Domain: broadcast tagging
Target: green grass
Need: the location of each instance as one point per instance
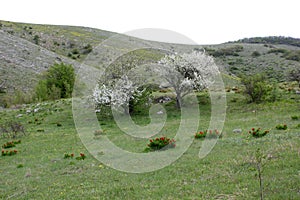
(39, 170)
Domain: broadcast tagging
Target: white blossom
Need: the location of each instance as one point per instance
(116, 94)
(187, 72)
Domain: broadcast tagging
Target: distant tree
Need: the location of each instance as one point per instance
(57, 82)
(295, 75)
(187, 72)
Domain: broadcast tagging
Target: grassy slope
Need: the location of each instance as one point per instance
(226, 173)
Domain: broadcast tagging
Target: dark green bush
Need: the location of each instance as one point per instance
(257, 89)
(255, 54)
(57, 82)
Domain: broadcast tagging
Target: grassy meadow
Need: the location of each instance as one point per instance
(229, 171)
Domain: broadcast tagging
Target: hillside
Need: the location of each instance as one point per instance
(26, 50)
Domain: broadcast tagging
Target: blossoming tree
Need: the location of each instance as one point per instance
(187, 72)
(117, 95)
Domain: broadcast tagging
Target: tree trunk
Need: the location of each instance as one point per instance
(178, 101)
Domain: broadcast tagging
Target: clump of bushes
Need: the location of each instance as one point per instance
(281, 127)
(294, 117)
(229, 51)
(57, 82)
(257, 132)
(208, 133)
(160, 143)
(255, 54)
(257, 89)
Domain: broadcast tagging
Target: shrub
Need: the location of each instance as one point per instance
(36, 39)
(87, 49)
(255, 54)
(292, 55)
(295, 117)
(9, 153)
(57, 83)
(66, 155)
(161, 143)
(257, 88)
(258, 132)
(200, 134)
(294, 75)
(81, 156)
(208, 133)
(281, 127)
(10, 144)
(276, 51)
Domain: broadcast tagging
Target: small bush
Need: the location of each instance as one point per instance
(208, 133)
(10, 144)
(9, 153)
(257, 89)
(276, 51)
(295, 117)
(160, 143)
(255, 54)
(281, 127)
(257, 132)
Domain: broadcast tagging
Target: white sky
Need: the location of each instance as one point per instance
(203, 21)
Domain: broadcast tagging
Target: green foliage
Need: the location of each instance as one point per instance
(229, 51)
(255, 54)
(257, 132)
(292, 55)
(161, 143)
(36, 39)
(294, 75)
(87, 49)
(58, 83)
(9, 153)
(272, 40)
(17, 97)
(258, 89)
(281, 127)
(10, 144)
(142, 102)
(276, 50)
(208, 133)
(295, 117)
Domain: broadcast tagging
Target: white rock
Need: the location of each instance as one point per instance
(160, 112)
(238, 130)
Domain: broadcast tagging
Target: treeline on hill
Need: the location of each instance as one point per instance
(271, 40)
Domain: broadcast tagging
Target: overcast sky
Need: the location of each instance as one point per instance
(205, 22)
